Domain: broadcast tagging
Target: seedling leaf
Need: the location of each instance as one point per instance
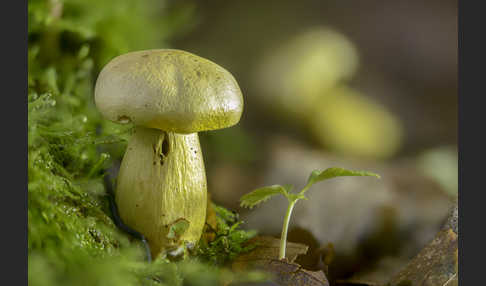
(260, 195)
(317, 176)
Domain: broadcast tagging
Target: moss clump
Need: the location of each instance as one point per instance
(72, 239)
(227, 238)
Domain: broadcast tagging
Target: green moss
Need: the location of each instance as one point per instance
(229, 239)
(72, 239)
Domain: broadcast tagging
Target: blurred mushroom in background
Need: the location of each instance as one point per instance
(293, 76)
(351, 124)
(304, 82)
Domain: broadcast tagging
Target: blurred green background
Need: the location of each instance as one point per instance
(359, 84)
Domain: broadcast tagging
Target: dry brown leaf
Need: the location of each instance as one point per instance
(435, 265)
(285, 272)
(292, 274)
(267, 249)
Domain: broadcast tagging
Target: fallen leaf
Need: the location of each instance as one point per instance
(453, 220)
(435, 265)
(267, 249)
(292, 274)
(285, 272)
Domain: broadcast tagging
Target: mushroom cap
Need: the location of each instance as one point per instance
(170, 90)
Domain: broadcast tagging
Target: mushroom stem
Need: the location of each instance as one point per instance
(161, 183)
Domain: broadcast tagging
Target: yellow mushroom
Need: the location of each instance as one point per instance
(169, 95)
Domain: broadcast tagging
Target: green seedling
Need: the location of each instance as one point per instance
(261, 195)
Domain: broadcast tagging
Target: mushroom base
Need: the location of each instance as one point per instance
(161, 188)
